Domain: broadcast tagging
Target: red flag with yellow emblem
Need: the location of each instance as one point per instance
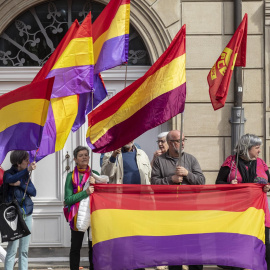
(234, 54)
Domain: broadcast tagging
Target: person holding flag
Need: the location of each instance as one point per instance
(166, 171)
(74, 193)
(246, 167)
(18, 185)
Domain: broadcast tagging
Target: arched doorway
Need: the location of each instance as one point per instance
(29, 37)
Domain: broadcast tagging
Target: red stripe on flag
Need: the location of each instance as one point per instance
(175, 49)
(39, 90)
(42, 74)
(107, 15)
(159, 197)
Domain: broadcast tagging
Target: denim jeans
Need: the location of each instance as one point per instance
(23, 244)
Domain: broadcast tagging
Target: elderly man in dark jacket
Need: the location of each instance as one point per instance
(167, 171)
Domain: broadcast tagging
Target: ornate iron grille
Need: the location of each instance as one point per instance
(33, 36)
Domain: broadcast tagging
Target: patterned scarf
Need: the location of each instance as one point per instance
(71, 215)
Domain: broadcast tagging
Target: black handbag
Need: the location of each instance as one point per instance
(12, 224)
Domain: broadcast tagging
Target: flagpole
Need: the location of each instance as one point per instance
(29, 178)
(91, 149)
(126, 75)
(181, 135)
(239, 134)
(237, 150)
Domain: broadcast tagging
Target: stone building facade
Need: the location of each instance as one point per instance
(209, 26)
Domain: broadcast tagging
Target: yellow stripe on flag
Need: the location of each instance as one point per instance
(116, 29)
(65, 110)
(154, 86)
(79, 52)
(165, 223)
(22, 112)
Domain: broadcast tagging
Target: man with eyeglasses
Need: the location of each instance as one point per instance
(166, 171)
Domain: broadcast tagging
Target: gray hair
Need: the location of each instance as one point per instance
(78, 149)
(245, 143)
(162, 134)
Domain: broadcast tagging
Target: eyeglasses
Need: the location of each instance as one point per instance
(178, 141)
(161, 141)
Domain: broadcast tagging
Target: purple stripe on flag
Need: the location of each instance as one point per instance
(47, 145)
(114, 52)
(134, 252)
(22, 136)
(156, 112)
(72, 80)
(85, 102)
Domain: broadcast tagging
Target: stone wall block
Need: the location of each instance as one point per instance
(202, 120)
(210, 177)
(255, 120)
(255, 11)
(267, 154)
(203, 51)
(267, 126)
(253, 85)
(168, 11)
(198, 89)
(255, 53)
(200, 148)
(208, 17)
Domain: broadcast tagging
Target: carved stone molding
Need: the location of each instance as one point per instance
(267, 13)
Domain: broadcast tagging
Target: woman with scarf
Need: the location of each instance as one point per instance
(74, 193)
(250, 169)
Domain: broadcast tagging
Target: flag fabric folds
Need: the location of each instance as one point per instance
(23, 114)
(111, 41)
(72, 64)
(234, 54)
(139, 226)
(148, 102)
(111, 35)
(74, 69)
(62, 111)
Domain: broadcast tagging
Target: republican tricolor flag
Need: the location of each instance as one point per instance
(234, 54)
(140, 226)
(23, 115)
(148, 102)
(111, 35)
(111, 41)
(72, 65)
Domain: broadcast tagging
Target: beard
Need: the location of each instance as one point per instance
(176, 150)
(128, 146)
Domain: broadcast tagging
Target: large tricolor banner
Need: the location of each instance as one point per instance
(148, 102)
(234, 54)
(23, 114)
(138, 226)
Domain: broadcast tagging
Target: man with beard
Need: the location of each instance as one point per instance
(166, 171)
(127, 165)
